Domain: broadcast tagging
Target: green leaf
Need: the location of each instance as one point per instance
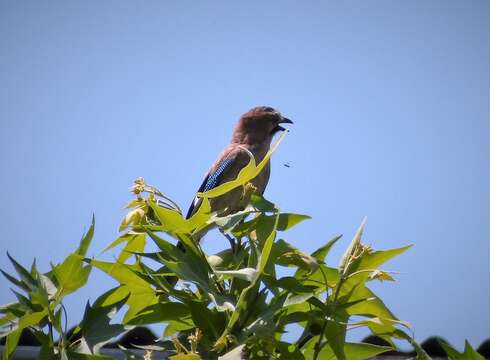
(71, 274)
(46, 283)
(172, 221)
(267, 247)
(25, 321)
(260, 203)
(161, 312)
(210, 322)
(123, 273)
(421, 354)
(354, 351)
(140, 292)
(86, 239)
(11, 344)
(176, 326)
(135, 244)
(286, 254)
(25, 275)
(335, 333)
(14, 281)
(288, 220)
(356, 241)
(375, 259)
(373, 306)
(95, 327)
(297, 299)
(121, 239)
(321, 253)
(321, 278)
(468, 354)
(185, 357)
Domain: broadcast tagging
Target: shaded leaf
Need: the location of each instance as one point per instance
(25, 275)
(160, 312)
(95, 327)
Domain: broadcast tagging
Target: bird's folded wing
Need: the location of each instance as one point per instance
(214, 178)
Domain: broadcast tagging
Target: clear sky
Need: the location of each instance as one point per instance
(391, 103)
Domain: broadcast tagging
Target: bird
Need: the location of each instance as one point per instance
(253, 132)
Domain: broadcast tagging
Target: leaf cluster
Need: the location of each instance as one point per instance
(221, 305)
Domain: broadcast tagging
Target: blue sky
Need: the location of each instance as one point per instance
(391, 103)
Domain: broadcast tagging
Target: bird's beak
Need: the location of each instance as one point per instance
(283, 121)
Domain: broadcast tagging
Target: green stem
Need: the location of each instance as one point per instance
(318, 345)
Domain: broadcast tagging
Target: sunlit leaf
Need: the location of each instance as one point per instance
(185, 357)
(71, 274)
(135, 244)
(346, 258)
(354, 351)
(86, 239)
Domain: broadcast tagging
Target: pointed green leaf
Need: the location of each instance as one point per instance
(95, 327)
(321, 253)
(356, 241)
(288, 220)
(25, 275)
(470, 353)
(86, 239)
(375, 259)
(14, 281)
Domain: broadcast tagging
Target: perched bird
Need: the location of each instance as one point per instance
(254, 132)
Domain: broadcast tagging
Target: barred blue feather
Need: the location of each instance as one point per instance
(211, 181)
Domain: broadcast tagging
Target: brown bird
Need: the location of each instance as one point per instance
(253, 132)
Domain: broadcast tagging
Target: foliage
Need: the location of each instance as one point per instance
(468, 354)
(40, 309)
(224, 304)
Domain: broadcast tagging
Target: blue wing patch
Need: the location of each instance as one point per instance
(211, 181)
(214, 178)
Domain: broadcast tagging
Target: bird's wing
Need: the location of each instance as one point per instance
(212, 179)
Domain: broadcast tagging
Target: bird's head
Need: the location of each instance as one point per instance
(259, 125)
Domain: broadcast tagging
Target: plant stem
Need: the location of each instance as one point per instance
(318, 346)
